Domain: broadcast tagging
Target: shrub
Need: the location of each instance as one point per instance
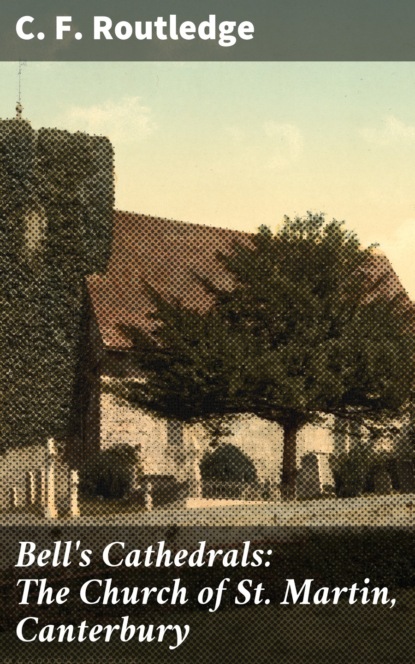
(110, 472)
(166, 489)
(350, 470)
(355, 472)
(228, 463)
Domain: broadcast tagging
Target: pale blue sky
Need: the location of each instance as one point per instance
(241, 144)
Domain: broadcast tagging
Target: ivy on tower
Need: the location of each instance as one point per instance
(56, 211)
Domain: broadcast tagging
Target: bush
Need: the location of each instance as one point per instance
(361, 469)
(166, 489)
(228, 463)
(109, 473)
(351, 470)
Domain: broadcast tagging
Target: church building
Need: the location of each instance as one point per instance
(74, 271)
(171, 257)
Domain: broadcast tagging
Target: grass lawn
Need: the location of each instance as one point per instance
(103, 508)
(274, 634)
(88, 507)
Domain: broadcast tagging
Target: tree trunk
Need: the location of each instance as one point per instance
(289, 461)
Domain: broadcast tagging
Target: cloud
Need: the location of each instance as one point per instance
(122, 121)
(392, 132)
(286, 142)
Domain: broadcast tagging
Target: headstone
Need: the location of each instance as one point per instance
(195, 478)
(13, 498)
(406, 478)
(308, 478)
(30, 488)
(327, 482)
(148, 500)
(382, 482)
(50, 507)
(74, 510)
(41, 487)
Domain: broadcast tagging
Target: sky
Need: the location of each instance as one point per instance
(243, 144)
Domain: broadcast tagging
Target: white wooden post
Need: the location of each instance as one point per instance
(197, 479)
(73, 493)
(30, 488)
(41, 487)
(13, 497)
(137, 473)
(50, 508)
(148, 500)
(195, 475)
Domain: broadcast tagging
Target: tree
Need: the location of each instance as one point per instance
(308, 328)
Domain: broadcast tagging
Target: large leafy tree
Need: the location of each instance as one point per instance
(309, 327)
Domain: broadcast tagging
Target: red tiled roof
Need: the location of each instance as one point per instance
(169, 256)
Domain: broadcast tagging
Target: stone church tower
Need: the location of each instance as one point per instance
(56, 210)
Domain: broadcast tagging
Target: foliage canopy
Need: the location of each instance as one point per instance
(309, 327)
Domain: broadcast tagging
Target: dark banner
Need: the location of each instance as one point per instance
(126, 594)
(266, 30)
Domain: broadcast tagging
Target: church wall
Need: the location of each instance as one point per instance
(121, 424)
(165, 450)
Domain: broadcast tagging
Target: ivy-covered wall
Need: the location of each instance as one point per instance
(56, 211)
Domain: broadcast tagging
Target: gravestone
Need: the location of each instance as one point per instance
(41, 487)
(326, 473)
(30, 488)
(13, 497)
(73, 479)
(315, 476)
(406, 479)
(50, 507)
(308, 478)
(382, 482)
(195, 476)
(148, 498)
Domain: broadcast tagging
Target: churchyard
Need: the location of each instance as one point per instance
(43, 487)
